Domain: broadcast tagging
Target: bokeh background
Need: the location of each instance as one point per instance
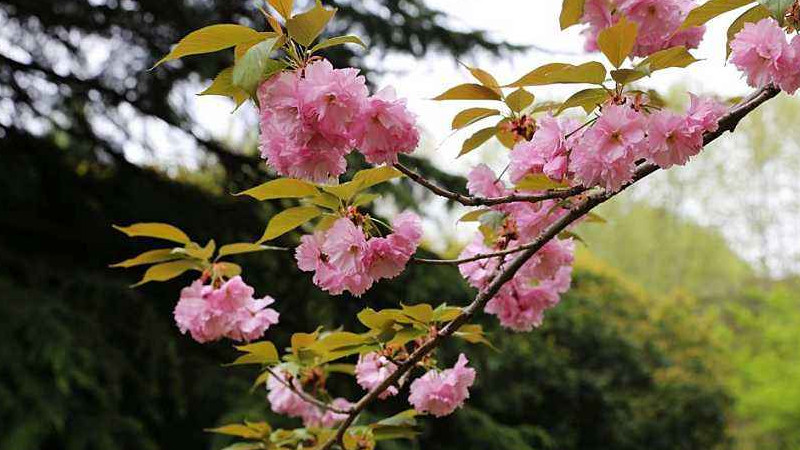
(681, 330)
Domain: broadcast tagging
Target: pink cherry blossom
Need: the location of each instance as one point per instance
(346, 246)
(704, 113)
(385, 128)
(671, 140)
(546, 153)
(520, 306)
(546, 263)
(332, 100)
(757, 49)
(482, 181)
(441, 393)
(286, 401)
(788, 66)
(598, 14)
(606, 152)
(210, 314)
(372, 369)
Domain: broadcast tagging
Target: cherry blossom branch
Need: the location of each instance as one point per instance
(306, 396)
(469, 200)
(727, 123)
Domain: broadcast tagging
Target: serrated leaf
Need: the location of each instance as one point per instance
(306, 27)
(595, 218)
(519, 100)
(282, 188)
(469, 116)
(223, 85)
(167, 271)
(364, 199)
(777, 8)
(326, 200)
(283, 7)
(255, 66)
(405, 418)
(588, 99)
(368, 178)
(288, 220)
(711, 9)
(236, 430)
(257, 353)
(155, 230)
(752, 15)
(422, 312)
(444, 313)
(476, 140)
(473, 216)
(150, 257)
(560, 73)
(201, 253)
(539, 182)
(474, 335)
(338, 40)
(210, 39)
(468, 92)
(617, 42)
(571, 13)
(347, 369)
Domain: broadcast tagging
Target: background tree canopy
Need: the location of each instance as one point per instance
(91, 364)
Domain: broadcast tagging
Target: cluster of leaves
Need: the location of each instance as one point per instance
(292, 34)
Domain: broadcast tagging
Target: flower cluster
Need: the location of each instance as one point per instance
(344, 258)
(762, 51)
(312, 118)
(441, 393)
(605, 153)
(210, 313)
(659, 23)
(538, 285)
(286, 401)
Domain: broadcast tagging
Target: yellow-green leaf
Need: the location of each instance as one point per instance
(473, 216)
(376, 175)
(167, 271)
(364, 199)
(202, 253)
(282, 188)
(777, 8)
(486, 79)
(752, 15)
(711, 9)
(210, 39)
(288, 220)
(476, 140)
(326, 200)
(571, 13)
(539, 182)
(616, 42)
(306, 27)
(242, 247)
(284, 7)
(257, 353)
(474, 335)
(155, 230)
(469, 116)
(626, 76)
(519, 100)
(151, 257)
(339, 40)
(469, 92)
(588, 99)
(444, 313)
(227, 269)
(256, 65)
(558, 73)
(504, 134)
(664, 59)
(422, 312)
(223, 85)
(236, 430)
(595, 218)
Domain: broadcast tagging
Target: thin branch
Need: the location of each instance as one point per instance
(727, 123)
(305, 396)
(469, 200)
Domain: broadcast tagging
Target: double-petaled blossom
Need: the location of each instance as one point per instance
(672, 139)
(285, 400)
(343, 258)
(658, 23)
(372, 369)
(210, 313)
(762, 51)
(385, 128)
(312, 118)
(441, 392)
(605, 154)
(546, 153)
